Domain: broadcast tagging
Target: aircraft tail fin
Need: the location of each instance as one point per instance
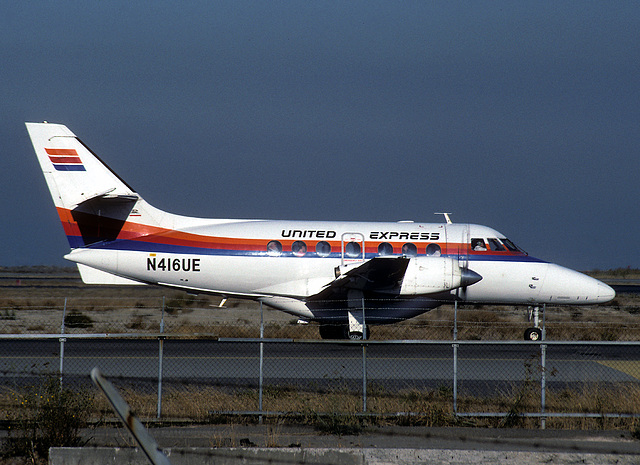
(93, 202)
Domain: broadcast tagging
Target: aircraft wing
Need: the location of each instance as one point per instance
(380, 275)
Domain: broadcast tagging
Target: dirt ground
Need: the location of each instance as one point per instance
(38, 302)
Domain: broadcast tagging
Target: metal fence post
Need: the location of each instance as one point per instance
(160, 359)
(543, 384)
(455, 379)
(261, 363)
(455, 358)
(543, 375)
(364, 362)
(455, 320)
(62, 340)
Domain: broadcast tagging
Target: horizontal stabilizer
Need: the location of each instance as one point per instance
(110, 196)
(92, 276)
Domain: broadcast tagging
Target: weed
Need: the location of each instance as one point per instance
(173, 306)
(47, 416)
(8, 314)
(138, 322)
(75, 319)
(340, 424)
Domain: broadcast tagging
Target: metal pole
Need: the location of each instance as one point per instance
(543, 384)
(455, 379)
(62, 340)
(543, 359)
(455, 358)
(261, 362)
(160, 360)
(364, 362)
(455, 320)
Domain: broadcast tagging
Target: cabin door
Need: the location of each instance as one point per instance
(352, 248)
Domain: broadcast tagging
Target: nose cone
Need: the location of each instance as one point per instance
(605, 293)
(565, 286)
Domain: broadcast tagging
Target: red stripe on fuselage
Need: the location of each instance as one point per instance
(152, 234)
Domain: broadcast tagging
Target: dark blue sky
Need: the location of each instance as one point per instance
(523, 116)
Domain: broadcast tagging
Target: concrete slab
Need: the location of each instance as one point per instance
(243, 456)
(236, 444)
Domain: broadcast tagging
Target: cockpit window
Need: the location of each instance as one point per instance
(495, 245)
(511, 246)
(478, 244)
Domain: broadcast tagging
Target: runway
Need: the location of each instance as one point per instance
(481, 367)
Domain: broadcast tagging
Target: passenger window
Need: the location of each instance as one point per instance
(478, 245)
(433, 250)
(323, 249)
(494, 244)
(409, 249)
(385, 249)
(352, 249)
(274, 248)
(299, 248)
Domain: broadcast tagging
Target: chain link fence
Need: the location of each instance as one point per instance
(202, 357)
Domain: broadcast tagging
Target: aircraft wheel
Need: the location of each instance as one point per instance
(341, 332)
(358, 336)
(324, 332)
(331, 332)
(532, 334)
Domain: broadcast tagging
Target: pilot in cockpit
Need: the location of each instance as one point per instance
(478, 245)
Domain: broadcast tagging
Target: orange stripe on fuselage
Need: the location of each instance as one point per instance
(150, 234)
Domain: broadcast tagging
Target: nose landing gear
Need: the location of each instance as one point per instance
(532, 334)
(535, 333)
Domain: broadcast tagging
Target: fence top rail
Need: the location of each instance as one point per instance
(213, 337)
(448, 342)
(86, 336)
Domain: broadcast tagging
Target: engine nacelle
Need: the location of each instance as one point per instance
(428, 275)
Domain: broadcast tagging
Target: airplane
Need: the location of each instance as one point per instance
(344, 275)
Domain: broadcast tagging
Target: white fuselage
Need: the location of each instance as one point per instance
(233, 259)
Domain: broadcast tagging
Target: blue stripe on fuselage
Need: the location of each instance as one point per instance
(152, 247)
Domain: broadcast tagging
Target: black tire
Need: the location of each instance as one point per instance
(533, 334)
(329, 332)
(335, 331)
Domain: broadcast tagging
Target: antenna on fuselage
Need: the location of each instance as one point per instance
(446, 216)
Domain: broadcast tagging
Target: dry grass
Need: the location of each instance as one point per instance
(428, 407)
(29, 305)
(37, 307)
(619, 320)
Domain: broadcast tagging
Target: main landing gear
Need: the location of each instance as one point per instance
(535, 333)
(341, 331)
